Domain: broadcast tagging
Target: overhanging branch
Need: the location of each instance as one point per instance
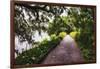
(36, 7)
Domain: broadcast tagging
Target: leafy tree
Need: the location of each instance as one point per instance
(31, 17)
(78, 21)
(82, 19)
(60, 24)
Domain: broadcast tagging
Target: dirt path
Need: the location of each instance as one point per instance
(65, 53)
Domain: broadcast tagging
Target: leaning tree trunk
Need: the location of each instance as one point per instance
(67, 52)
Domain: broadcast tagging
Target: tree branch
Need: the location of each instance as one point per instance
(36, 7)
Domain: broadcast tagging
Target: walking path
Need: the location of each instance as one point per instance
(67, 52)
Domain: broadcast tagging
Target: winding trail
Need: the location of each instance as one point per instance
(67, 52)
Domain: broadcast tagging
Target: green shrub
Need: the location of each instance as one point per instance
(35, 55)
(62, 34)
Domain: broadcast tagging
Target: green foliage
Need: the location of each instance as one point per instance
(62, 34)
(84, 25)
(60, 24)
(36, 55)
(74, 34)
(86, 45)
(78, 22)
(53, 36)
(31, 18)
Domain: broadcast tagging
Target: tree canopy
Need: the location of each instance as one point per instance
(48, 18)
(32, 17)
(56, 21)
